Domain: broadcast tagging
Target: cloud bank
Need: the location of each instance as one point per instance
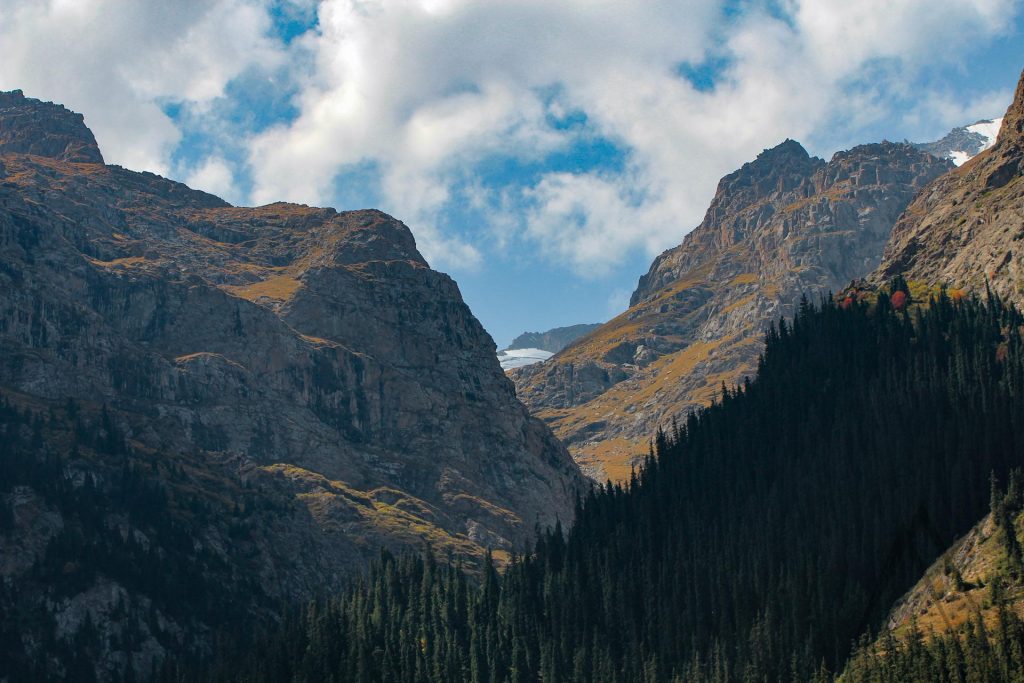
(576, 132)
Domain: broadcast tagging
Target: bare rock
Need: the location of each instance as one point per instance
(783, 226)
(29, 126)
(966, 229)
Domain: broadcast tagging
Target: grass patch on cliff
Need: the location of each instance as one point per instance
(386, 513)
(278, 287)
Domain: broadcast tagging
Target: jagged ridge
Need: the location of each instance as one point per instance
(28, 126)
(782, 226)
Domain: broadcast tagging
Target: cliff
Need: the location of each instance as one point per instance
(293, 387)
(965, 229)
(783, 226)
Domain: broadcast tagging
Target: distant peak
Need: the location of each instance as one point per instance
(31, 126)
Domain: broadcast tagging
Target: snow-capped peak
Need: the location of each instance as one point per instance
(988, 129)
(966, 142)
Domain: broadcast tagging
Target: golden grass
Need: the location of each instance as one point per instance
(126, 262)
(612, 459)
(656, 385)
(278, 287)
(385, 511)
(318, 341)
(945, 606)
(744, 279)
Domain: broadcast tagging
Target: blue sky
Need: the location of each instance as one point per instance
(542, 152)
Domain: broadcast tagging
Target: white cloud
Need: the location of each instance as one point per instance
(426, 91)
(214, 175)
(117, 60)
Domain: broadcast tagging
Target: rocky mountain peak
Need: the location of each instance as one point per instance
(744, 200)
(782, 226)
(31, 126)
(777, 170)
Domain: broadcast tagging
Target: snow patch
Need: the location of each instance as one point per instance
(987, 129)
(959, 158)
(517, 358)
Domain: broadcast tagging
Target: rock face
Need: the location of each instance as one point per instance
(301, 359)
(28, 126)
(967, 228)
(782, 226)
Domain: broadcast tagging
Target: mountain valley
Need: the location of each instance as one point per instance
(273, 444)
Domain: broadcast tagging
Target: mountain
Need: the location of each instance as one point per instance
(553, 340)
(770, 532)
(535, 347)
(40, 128)
(781, 227)
(965, 230)
(517, 358)
(964, 142)
(247, 401)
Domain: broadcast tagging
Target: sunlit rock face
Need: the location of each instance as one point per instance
(966, 230)
(783, 226)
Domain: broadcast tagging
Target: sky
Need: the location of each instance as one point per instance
(541, 151)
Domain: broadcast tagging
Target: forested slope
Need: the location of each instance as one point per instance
(771, 530)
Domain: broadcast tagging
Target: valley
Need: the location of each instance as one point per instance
(273, 443)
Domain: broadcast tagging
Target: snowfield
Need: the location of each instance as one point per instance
(517, 358)
(988, 130)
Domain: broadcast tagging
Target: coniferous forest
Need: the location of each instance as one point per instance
(762, 538)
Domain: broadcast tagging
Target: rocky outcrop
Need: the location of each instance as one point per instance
(783, 226)
(299, 364)
(28, 126)
(966, 229)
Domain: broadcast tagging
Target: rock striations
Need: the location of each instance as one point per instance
(782, 226)
(301, 359)
(967, 228)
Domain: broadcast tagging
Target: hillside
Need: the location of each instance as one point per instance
(957, 588)
(780, 227)
(962, 620)
(772, 530)
(965, 229)
(293, 387)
